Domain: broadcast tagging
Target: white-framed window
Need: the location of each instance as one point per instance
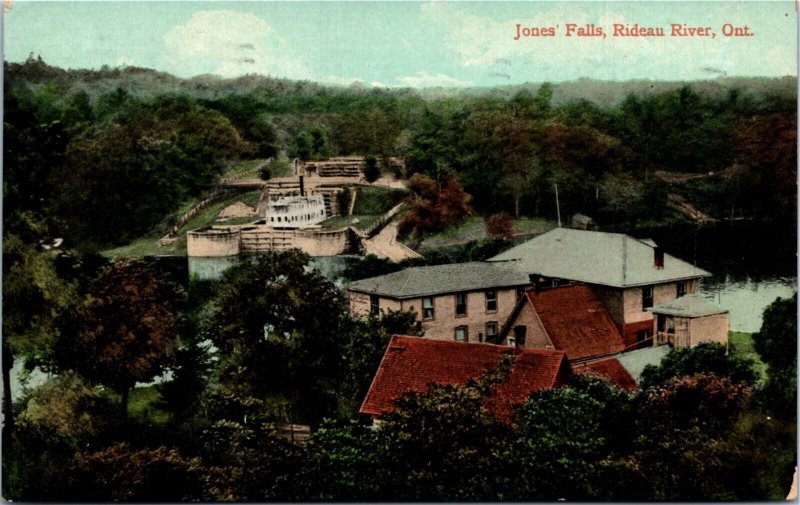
(491, 331)
(461, 334)
(647, 297)
(427, 308)
(512, 342)
(491, 301)
(461, 304)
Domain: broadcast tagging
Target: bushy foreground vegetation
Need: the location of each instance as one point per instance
(273, 343)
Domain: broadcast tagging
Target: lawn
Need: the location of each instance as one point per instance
(474, 228)
(142, 404)
(337, 222)
(741, 344)
(377, 200)
(148, 245)
(206, 216)
(241, 167)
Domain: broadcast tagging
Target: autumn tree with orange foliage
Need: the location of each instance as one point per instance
(434, 204)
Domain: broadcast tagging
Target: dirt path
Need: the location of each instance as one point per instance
(679, 203)
(385, 245)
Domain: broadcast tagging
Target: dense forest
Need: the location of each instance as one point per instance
(99, 158)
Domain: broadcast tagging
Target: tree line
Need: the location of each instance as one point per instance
(103, 169)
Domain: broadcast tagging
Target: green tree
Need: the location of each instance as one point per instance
(371, 171)
(684, 449)
(280, 330)
(366, 345)
(34, 299)
(776, 343)
(705, 358)
(446, 445)
(247, 462)
(564, 436)
(342, 463)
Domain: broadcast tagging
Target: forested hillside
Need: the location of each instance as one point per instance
(99, 157)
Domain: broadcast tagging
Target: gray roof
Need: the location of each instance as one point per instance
(635, 361)
(438, 279)
(609, 259)
(688, 306)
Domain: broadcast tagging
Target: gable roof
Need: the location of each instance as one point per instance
(437, 279)
(692, 305)
(412, 364)
(576, 321)
(610, 369)
(609, 259)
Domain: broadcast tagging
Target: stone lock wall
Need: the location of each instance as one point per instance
(213, 242)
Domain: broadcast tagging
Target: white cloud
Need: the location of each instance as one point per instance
(230, 43)
(425, 80)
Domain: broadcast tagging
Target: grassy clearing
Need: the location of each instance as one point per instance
(206, 216)
(532, 225)
(148, 245)
(242, 166)
(359, 222)
(741, 344)
(145, 247)
(377, 200)
(474, 228)
(142, 404)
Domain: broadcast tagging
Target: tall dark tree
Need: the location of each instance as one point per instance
(776, 343)
(280, 331)
(126, 328)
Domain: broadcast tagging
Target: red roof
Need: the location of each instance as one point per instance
(610, 369)
(577, 321)
(411, 364)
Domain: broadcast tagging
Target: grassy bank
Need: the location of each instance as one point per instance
(741, 344)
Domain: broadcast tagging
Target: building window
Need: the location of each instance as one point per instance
(461, 334)
(491, 301)
(374, 305)
(461, 304)
(491, 331)
(647, 297)
(681, 289)
(520, 334)
(427, 308)
(512, 342)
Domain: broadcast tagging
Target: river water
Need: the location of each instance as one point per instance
(752, 264)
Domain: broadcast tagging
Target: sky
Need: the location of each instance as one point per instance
(409, 44)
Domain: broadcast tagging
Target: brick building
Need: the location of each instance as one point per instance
(628, 274)
(569, 318)
(465, 302)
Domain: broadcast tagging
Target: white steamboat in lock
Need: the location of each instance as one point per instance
(295, 211)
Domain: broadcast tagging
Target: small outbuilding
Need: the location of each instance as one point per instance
(689, 321)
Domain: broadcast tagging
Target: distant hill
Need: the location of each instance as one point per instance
(144, 82)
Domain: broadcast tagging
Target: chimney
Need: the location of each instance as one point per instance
(658, 257)
(302, 187)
